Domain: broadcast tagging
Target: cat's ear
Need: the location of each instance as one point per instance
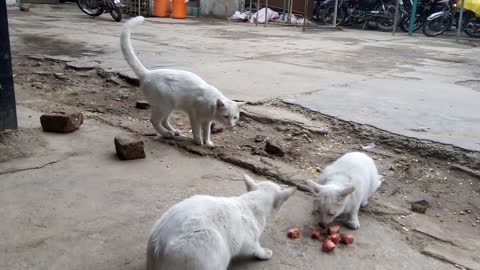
(314, 187)
(345, 192)
(250, 183)
(283, 196)
(220, 104)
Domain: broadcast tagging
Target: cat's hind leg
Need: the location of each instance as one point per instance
(166, 125)
(158, 115)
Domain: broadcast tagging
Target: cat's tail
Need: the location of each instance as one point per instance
(127, 49)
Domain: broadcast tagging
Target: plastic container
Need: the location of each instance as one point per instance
(179, 9)
(196, 11)
(161, 8)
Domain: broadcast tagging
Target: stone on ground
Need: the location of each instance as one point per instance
(129, 146)
(61, 121)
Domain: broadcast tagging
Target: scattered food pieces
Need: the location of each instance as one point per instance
(322, 225)
(328, 245)
(333, 229)
(293, 233)
(315, 234)
(420, 206)
(335, 238)
(347, 239)
(61, 121)
(368, 146)
(179, 124)
(142, 104)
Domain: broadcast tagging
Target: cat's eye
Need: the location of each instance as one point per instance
(331, 214)
(235, 118)
(226, 116)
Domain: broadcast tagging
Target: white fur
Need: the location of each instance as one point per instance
(205, 232)
(171, 89)
(344, 187)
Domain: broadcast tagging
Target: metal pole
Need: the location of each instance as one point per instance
(258, 9)
(395, 20)
(305, 8)
(412, 17)
(226, 10)
(335, 14)
(8, 110)
(283, 10)
(266, 13)
(460, 21)
(250, 15)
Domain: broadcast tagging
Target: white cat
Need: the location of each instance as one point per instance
(344, 187)
(171, 89)
(205, 232)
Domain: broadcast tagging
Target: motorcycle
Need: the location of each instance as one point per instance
(439, 22)
(98, 7)
(381, 13)
(424, 9)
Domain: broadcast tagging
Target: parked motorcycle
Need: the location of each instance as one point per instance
(98, 7)
(424, 9)
(439, 22)
(379, 12)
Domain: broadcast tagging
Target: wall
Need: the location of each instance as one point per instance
(217, 7)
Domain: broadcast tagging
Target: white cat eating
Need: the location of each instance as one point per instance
(205, 232)
(344, 187)
(171, 89)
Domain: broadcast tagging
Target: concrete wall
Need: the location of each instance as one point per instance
(217, 7)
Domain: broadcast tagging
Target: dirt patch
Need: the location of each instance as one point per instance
(414, 169)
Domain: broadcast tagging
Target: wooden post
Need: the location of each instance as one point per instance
(8, 111)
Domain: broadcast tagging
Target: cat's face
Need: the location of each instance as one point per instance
(280, 193)
(228, 112)
(328, 201)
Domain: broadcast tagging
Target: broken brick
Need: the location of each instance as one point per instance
(129, 146)
(61, 121)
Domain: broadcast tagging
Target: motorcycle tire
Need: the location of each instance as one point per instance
(475, 33)
(386, 25)
(94, 12)
(327, 17)
(437, 26)
(405, 23)
(116, 14)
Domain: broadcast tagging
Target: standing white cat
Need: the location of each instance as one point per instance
(171, 89)
(205, 232)
(344, 187)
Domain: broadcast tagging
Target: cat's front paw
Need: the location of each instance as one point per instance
(353, 224)
(176, 132)
(209, 143)
(168, 134)
(198, 141)
(264, 254)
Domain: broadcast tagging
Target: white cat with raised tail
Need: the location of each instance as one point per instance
(205, 232)
(344, 187)
(171, 89)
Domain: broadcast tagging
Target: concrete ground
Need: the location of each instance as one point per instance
(70, 204)
(73, 205)
(421, 87)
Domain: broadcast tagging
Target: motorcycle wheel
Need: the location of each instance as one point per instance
(94, 12)
(116, 14)
(437, 26)
(405, 22)
(471, 30)
(386, 24)
(329, 13)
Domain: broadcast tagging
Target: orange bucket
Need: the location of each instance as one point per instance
(179, 9)
(161, 8)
